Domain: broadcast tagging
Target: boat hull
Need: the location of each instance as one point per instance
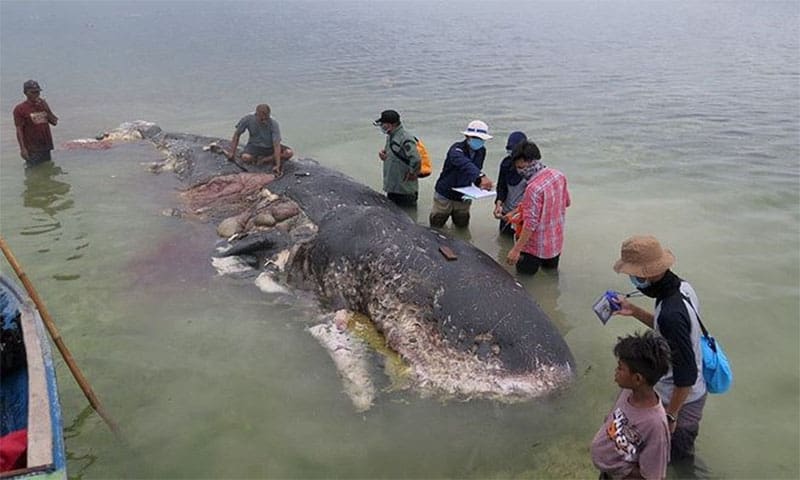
(29, 394)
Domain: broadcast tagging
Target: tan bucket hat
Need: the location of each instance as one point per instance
(643, 256)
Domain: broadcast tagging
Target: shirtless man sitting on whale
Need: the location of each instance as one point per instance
(264, 140)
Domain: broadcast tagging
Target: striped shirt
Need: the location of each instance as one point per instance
(544, 206)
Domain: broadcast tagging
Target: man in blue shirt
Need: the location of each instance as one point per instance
(264, 140)
(462, 167)
(510, 185)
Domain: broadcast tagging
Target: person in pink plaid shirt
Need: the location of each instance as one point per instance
(543, 209)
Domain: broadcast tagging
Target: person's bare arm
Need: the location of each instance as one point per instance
(632, 310)
(234, 145)
(23, 152)
(276, 154)
(679, 396)
(51, 117)
(513, 255)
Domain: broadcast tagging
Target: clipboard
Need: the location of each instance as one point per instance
(474, 193)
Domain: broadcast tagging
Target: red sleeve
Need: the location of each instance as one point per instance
(19, 116)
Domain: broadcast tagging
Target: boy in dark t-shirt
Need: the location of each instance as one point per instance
(634, 439)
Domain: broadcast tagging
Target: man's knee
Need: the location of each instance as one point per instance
(286, 152)
(528, 264)
(37, 158)
(403, 200)
(461, 219)
(682, 444)
(551, 263)
(439, 213)
(527, 269)
(437, 220)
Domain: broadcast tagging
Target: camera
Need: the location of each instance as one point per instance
(607, 304)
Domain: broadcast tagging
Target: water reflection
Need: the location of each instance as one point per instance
(694, 468)
(44, 193)
(78, 464)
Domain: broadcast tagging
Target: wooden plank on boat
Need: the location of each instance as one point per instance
(40, 428)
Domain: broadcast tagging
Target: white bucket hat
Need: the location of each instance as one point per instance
(479, 129)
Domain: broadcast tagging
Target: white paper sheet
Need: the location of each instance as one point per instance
(472, 192)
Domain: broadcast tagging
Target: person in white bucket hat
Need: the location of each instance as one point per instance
(479, 129)
(463, 166)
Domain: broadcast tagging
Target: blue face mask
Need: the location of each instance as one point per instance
(639, 282)
(475, 143)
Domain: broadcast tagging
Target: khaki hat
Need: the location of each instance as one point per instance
(643, 256)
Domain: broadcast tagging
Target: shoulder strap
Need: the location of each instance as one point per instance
(702, 327)
(400, 153)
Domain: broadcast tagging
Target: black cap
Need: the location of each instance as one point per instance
(31, 85)
(388, 116)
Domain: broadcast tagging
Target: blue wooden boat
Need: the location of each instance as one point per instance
(28, 391)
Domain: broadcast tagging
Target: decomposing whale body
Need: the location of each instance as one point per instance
(464, 328)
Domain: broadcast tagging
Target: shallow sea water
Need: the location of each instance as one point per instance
(679, 119)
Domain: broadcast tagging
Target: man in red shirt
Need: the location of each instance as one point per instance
(33, 118)
(543, 208)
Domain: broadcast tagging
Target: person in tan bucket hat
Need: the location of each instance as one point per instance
(642, 256)
(682, 390)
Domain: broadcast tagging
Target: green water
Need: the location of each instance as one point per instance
(677, 119)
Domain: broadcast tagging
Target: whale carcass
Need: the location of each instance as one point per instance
(464, 328)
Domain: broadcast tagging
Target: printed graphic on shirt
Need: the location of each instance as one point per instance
(39, 118)
(625, 437)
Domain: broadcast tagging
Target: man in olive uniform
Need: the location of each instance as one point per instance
(401, 160)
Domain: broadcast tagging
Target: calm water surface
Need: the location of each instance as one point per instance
(680, 119)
